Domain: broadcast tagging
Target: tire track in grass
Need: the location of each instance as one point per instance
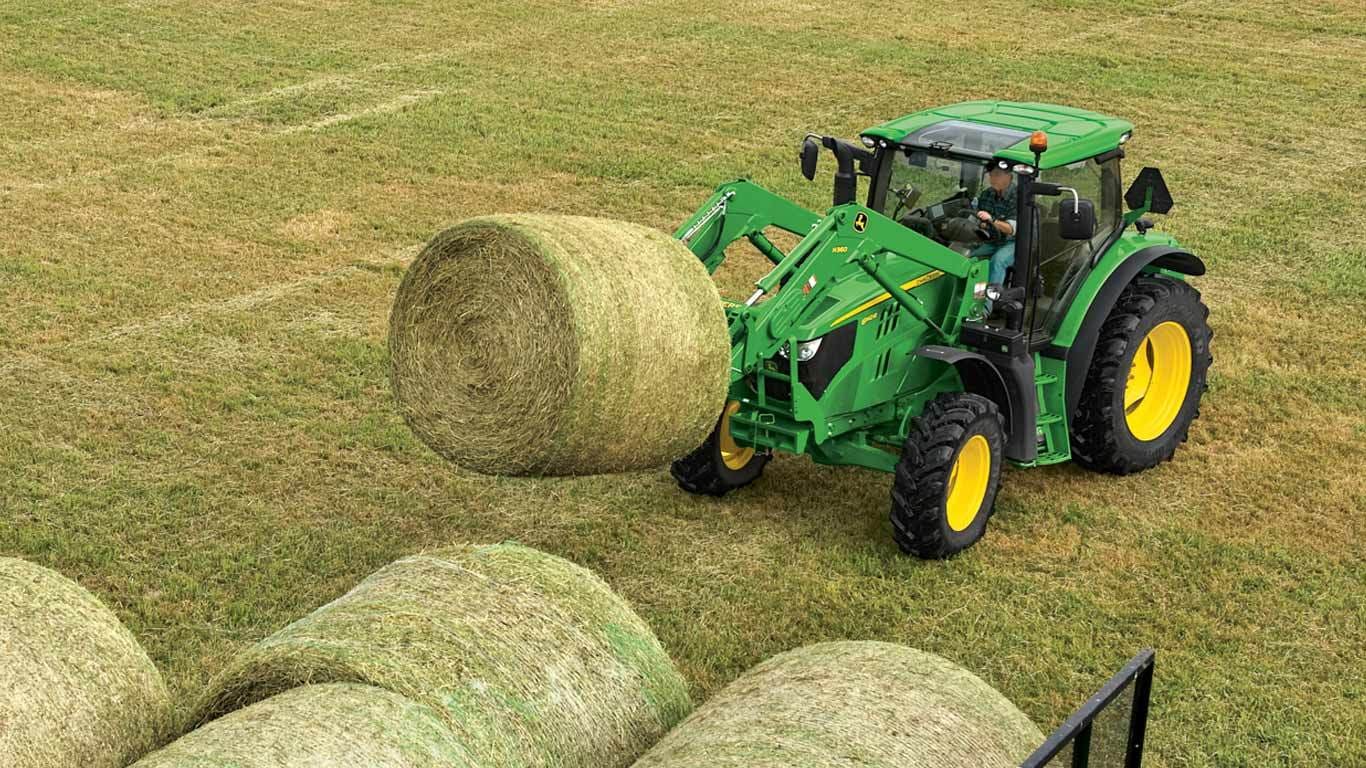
(391, 106)
(323, 81)
(193, 311)
(1103, 29)
(249, 300)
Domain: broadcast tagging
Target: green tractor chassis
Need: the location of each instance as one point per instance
(877, 340)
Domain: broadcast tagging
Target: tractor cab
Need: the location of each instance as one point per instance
(928, 167)
(925, 170)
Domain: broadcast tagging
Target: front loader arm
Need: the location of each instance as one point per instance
(850, 237)
(850, 254)
(849, 240)
(742, 209)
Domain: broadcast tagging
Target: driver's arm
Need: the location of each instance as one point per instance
(1004, 226)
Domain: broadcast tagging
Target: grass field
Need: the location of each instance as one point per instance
(206, 208)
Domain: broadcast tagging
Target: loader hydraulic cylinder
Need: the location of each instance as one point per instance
(903, 298)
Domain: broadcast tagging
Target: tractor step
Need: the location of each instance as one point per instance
(1054, 443)
(1044, 459)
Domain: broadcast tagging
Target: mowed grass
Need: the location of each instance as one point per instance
(207, 208)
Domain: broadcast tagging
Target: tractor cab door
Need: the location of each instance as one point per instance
(1064, 264)
(1109, 730)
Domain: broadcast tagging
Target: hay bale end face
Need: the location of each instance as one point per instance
(76, 689)
(558, 345)
(339, 724)
(832, 705)
(530, 659)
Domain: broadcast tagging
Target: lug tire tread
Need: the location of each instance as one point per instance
(1096, 442)
(700, 472)
(923, 471)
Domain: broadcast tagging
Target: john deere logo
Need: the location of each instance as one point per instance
(860, 222)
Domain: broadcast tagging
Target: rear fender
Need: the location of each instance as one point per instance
(1076, 340)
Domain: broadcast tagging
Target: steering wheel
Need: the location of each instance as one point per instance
(985, 227)
(905, 199)
(963, 229)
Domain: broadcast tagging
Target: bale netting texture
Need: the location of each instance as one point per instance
(558, 345)
(531, 660)
(834, 705)
(336, 724)
(76, 689)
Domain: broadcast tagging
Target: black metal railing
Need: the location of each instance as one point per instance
(1091, 737)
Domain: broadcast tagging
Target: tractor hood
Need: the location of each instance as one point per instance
(857, 299)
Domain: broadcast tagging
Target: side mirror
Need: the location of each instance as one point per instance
(811, 151)
(1077, 219)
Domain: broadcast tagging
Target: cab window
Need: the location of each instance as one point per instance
(1064, 264)
(932, 193)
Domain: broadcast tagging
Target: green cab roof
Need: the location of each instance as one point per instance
(1073, 134)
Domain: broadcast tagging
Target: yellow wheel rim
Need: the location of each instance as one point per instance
(968, 483)
(733, 456)
(1158, 379)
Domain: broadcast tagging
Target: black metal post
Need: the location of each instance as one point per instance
(1138, 716)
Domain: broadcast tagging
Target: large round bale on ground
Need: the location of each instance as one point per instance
(338, 724)
(76, 689)
(530, 659)
(558, 345)
(834, 705)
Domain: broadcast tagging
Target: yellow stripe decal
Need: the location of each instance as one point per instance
(906, 286)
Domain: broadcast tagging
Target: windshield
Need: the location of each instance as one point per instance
(920, 181)
(933, 194)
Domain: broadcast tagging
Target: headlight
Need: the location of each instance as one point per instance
(805, 350)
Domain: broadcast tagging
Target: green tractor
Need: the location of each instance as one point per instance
(878, 340)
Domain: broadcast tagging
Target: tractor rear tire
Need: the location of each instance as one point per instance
(1148, 372)
(719, 466)
(946, 481)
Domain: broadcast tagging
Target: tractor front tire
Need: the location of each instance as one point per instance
(1148, 372)
(946, 481)
(719, 466)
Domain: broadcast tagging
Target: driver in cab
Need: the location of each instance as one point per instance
(996, 212)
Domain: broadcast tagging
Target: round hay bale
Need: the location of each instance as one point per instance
(558, 345)
(76, 689)
(835, 705)
(338, 724)
(532, 660)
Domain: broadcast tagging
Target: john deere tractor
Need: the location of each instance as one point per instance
(878, 341)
